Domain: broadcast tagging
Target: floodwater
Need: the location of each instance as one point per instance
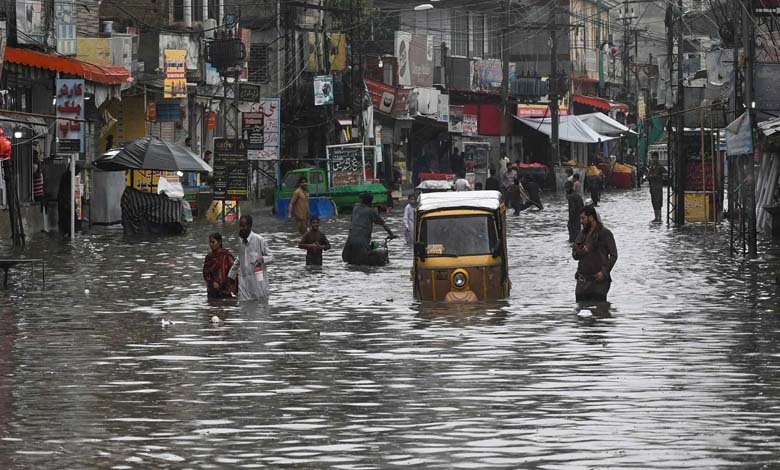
(343, 370)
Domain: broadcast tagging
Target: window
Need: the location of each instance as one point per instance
(494, 42)
(178, 10)
(258, 63)
(213, 9)
(479, 36)
(459, 236)
(460, 33)
(197, 10)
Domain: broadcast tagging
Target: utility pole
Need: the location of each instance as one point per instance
(750, 187)
(505, 80)
(553, 84)
(681, 160)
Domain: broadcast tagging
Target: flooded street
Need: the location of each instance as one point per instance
(342, 369)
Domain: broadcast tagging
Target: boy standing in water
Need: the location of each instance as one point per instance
(314, 242)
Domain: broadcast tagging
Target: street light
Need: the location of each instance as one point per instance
(423, 7)
(18, 134)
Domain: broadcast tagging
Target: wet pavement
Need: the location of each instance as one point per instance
(343, 370)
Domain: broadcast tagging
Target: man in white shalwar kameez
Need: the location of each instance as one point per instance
(252, 258)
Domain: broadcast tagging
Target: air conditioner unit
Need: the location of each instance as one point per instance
(209, 26)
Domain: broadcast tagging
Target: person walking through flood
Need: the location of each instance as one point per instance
(575, 207)
(409, 219)
(216, 267)
(314, 242)
(655, 178)
(249, 269)
(595, 185)
(299, 205)
(596, 253)
(358, 246)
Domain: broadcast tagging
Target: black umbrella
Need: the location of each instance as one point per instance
(151, 153)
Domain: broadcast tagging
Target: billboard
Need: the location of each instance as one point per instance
(29, 22)
(388, 99)
(271, 109)
(175, 72)
(456, 119)
(421, 60)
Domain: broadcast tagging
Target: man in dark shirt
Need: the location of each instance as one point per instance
(358, 245)
(597, 254)
(314, 242)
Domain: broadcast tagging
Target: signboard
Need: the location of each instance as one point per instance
(346, 163)
(271, 109)
(323, 90)
(175, 71)
(739, 137)
(249, 92)
(253, 130)
(456, 119)
(470, 124)
(231, 170)
(70, 104)
(539, 110)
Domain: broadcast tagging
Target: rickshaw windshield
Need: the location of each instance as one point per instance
(463, 235)
(291, 180)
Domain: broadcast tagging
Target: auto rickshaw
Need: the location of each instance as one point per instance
(460, 249)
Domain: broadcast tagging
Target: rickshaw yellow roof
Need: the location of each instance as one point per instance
(490, 200)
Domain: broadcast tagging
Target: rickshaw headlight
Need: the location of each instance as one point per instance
(459, 279)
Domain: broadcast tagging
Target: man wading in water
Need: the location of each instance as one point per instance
(358, 246)
(596, 252)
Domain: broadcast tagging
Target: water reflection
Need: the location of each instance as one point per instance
(342, 369)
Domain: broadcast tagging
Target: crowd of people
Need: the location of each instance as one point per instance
(593, 245)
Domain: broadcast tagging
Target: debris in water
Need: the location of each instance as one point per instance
(585, 313)
(215, 319)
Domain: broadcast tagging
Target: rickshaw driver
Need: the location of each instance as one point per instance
(357, 249)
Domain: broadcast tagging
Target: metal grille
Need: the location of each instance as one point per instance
(258, 63)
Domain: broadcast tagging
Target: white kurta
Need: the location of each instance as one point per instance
(409, 224)
(252, 275)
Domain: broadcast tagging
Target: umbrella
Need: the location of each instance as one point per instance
(151, 153)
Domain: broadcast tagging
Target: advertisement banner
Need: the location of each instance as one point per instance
(739, 137)
(336, 44)
(456, 119)
(388, 99)
(323, 90)
(3, 36)
(271, 109)
(253, 130)
(444, 108)
(30, 27)
(421, 60)
(231, 170)
(402, 50)
(470, 124)
(175, 71)
(70, 104)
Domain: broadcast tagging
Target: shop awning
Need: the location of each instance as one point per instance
(107, 74)
(599, 103)
(570, 129)
(604, 124)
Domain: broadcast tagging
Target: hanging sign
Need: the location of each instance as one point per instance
(455, 124)
(175, 71)
(323, 90)
(231, 170)
(253, 130)
(70, 104)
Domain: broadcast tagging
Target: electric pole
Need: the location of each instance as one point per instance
(553, 84)
(681, 160)
(505, 80)
(750, 187)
